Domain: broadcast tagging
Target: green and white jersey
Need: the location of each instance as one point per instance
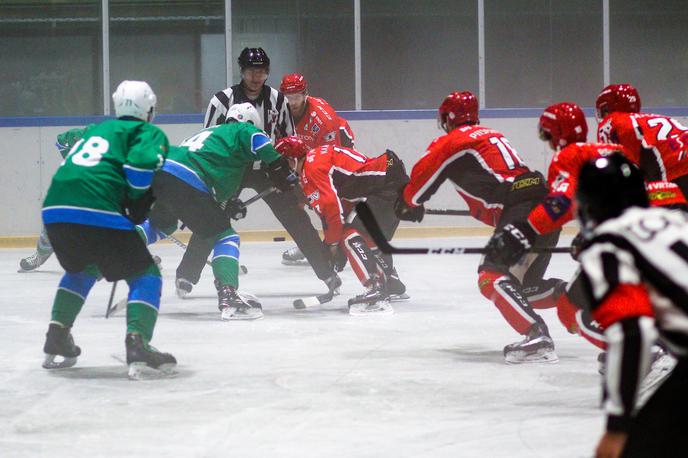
(215, 159)
(114, 160)
(67, 139)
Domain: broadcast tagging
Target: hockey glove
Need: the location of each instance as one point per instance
(235, 209)
(407, 213)
(137, 209)
(579, 243)
(281, 175)
(508, 245)
(337, 256)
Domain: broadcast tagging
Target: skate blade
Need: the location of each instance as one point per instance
(231, 315)
(659, 372)
(50, 363)
(399, 297)
(370, 309)
(519, 357)
(141, 371)
(302, 262)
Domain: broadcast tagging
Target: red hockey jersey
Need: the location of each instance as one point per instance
(333, 177)
(659, 144)
(480, 163)
(556, 209)
(320, 125)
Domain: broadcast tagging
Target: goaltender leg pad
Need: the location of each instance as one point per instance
(70, 297)
(226, 258)
(360, 255)
(505, 293)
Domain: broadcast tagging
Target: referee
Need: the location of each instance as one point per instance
(277, 121)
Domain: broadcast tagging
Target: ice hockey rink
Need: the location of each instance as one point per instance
(427, 381)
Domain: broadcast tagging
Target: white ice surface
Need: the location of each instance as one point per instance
(427, 381)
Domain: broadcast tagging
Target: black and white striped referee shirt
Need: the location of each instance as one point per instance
(649, 248)
(271, 104)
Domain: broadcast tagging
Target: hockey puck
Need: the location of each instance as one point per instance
(278, 239)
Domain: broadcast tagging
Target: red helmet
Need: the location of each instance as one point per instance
(562, 124)
(292, 147)
(459, 108)
(293, 83)
(623, 98)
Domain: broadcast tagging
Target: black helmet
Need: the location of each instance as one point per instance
(607, 186)
(254, 57)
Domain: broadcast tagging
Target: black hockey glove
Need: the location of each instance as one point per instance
(406, 212)
(137, 209)
(235, 209)
(337, 256)
(281, 175)
(579, 243)
(508, 245)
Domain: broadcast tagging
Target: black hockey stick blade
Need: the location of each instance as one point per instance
(369, 221)
(446, 211)
(305, 302)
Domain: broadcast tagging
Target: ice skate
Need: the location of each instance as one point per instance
(235, 307)
(374, 301)
(294, 257)
(59, 342)
(537, 347)
(141, 355)
(395, 288)
(183, 287)
(33, 262)
(661, 367)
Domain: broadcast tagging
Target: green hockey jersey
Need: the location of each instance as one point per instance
(215, 159)
(114, 160)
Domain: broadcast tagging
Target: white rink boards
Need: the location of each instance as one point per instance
(428, 381)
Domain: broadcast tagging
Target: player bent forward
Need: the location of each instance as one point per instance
(499, 188)
(96, 196)
(333, 178)
(203, 171)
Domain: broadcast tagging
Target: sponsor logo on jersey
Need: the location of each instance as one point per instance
(525, 183)
(330, 136)
(315, 129)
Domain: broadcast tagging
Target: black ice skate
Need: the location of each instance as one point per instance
(395, 288)
(140, 355)
(183, 287)
(374, 301)
(234, 307)
(537, 347)
(34, 261)
(294, 257)
(59, 342)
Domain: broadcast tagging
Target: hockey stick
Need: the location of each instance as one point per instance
(369, 221)
(110, 308)
(446, 211)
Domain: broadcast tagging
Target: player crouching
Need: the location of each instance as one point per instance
(334, 178)
(96, 196)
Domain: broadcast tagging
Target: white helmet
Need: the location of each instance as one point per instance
(245, 112)
(134, 98)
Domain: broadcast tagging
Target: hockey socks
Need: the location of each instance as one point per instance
(151, 234)
(502, 290)
(144, 302)
(360, 256)
(226, 259)
(71, 295)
